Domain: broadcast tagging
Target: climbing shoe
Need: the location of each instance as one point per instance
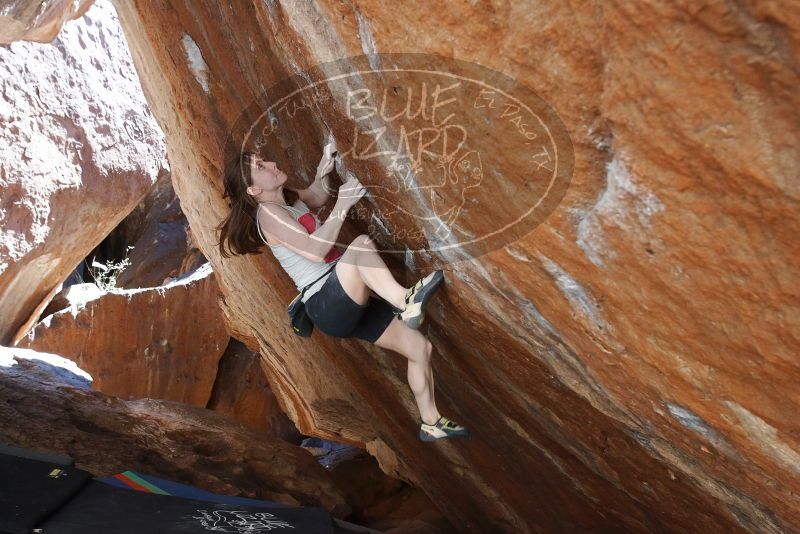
(417, 298)
(443, 428)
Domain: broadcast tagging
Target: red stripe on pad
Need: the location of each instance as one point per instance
(125, 480)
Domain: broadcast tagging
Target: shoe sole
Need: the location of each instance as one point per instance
(415, 321)
(424, 436)
(427, 436)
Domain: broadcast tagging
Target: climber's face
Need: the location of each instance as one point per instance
(265, 174)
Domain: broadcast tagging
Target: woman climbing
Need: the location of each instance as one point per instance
(338, 302)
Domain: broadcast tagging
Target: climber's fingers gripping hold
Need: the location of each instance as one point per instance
(328, 161)
(326, 164)
(351, 191)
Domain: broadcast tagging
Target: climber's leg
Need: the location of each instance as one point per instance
(416, 347)
(361, 268)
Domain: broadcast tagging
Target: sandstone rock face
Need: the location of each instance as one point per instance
(163, 342)
(38, 20)
(78, 150)
(167, 342)
(73, 295)
(241, 391)
(379, 502)
(43, 407)
(162, 248)
(630, 364)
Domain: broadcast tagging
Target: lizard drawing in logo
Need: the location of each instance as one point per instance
(459, 172)
(464, 173)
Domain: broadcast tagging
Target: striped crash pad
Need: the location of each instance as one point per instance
(133, 503)
(150, 484)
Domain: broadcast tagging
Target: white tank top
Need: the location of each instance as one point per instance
(301, 270)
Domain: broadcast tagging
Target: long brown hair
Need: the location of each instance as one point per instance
(238, 230)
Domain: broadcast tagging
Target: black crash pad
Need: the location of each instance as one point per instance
(101, 508)
(31, 489)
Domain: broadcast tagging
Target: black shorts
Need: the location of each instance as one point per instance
(336, 314)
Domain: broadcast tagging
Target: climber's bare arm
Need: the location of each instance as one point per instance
(281, 228)
(317, 194)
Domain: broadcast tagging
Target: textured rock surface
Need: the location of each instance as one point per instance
(162, 246)
(378, 501)
(37, 20)
(78, 150)
(142, 343)
(72, 295)
(241, 391)
(384, 503)
(408, 511)
(43, 406)
(629, 365)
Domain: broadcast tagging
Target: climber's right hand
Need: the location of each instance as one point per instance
(350, 192)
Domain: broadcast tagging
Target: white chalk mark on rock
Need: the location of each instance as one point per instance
(368, 45)
(196, 62)
(623, 204)
(576, 294)
(765, 436)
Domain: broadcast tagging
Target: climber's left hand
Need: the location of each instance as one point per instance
(325, 167)
(327, 162)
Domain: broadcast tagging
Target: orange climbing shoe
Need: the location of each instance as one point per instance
(443, 428)
(417, 298)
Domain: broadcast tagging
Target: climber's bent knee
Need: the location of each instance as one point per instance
(350, 280)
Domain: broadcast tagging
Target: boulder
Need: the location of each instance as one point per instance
(163, 342)
(38, 20)
(79, 150)
(626, 362)
(378, 501)
(407, 511)
(241, 391)
(45, 405)
(156, 240)
(73, 295)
